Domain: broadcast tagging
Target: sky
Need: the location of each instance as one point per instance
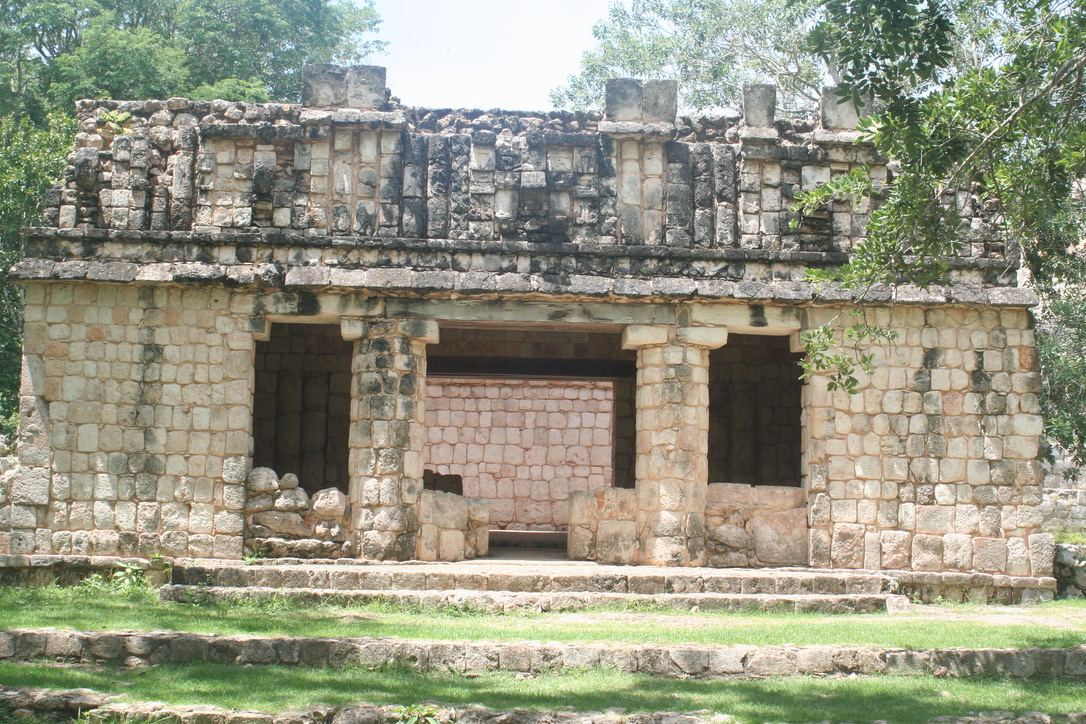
(476, 54)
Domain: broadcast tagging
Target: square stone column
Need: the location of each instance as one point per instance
(388, 431)
(672, 439)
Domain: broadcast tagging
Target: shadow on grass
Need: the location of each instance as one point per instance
(904, 700)
(95, 611)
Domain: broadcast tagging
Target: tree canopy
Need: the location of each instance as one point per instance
(712, 47)
(53, 52)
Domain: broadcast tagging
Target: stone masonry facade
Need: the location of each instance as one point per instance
(248, 326)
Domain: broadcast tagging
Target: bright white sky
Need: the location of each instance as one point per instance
(484, 54)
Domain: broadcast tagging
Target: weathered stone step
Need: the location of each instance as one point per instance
(142, 648)
(539, 578)
(96, 707)
(497, 601)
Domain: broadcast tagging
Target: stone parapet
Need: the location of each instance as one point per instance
(477, 657)
(350, 163)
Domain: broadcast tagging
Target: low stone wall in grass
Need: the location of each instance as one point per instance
(99, 708)
(476, 657)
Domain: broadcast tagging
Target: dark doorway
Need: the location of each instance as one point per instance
(302, 404)
(755, 410)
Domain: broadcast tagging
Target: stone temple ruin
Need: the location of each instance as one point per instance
(350, 328)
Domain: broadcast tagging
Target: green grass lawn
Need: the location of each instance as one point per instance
(903, 700)
(1060, 624)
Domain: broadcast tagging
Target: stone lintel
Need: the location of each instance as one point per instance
(644, 130)
(637, 336)
(601, 315)
(261, 328)
(707, 337)
(748, 318)
(424, 330)
(352, 328)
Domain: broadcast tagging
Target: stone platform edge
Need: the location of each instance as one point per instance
(139, 648)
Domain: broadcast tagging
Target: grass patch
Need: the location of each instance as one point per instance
(904, 700)
(1057, 625)
(1065, 534)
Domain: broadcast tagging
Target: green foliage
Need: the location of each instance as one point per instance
(55, 51)
(31, 162)
(712, 47)
(843, 353)
(117, 63)
(1009, 130)
(843, 187)
(416, 714)
(124, 578)
(271, 39)
(247, 91)
(1060, 281)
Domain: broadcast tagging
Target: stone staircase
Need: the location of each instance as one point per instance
(539, 584)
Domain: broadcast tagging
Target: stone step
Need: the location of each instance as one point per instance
(471, 658)
(500, 601)
(529, 577)
(97, 707)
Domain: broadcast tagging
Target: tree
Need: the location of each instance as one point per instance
(712, 47)
(1012, 130)
(54, 51)
(113, 62)
(31, 161)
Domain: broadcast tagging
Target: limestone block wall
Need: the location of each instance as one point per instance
(452, 527)
(604, 526)
(135, 437)
(933, 465)
(755, 525)
(523, 445)
(482, 349)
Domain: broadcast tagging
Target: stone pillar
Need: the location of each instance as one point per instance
(672, 439)
(387, 435)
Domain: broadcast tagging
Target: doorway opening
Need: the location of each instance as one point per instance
(755, 406)
(302, 404)
(526, 417)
